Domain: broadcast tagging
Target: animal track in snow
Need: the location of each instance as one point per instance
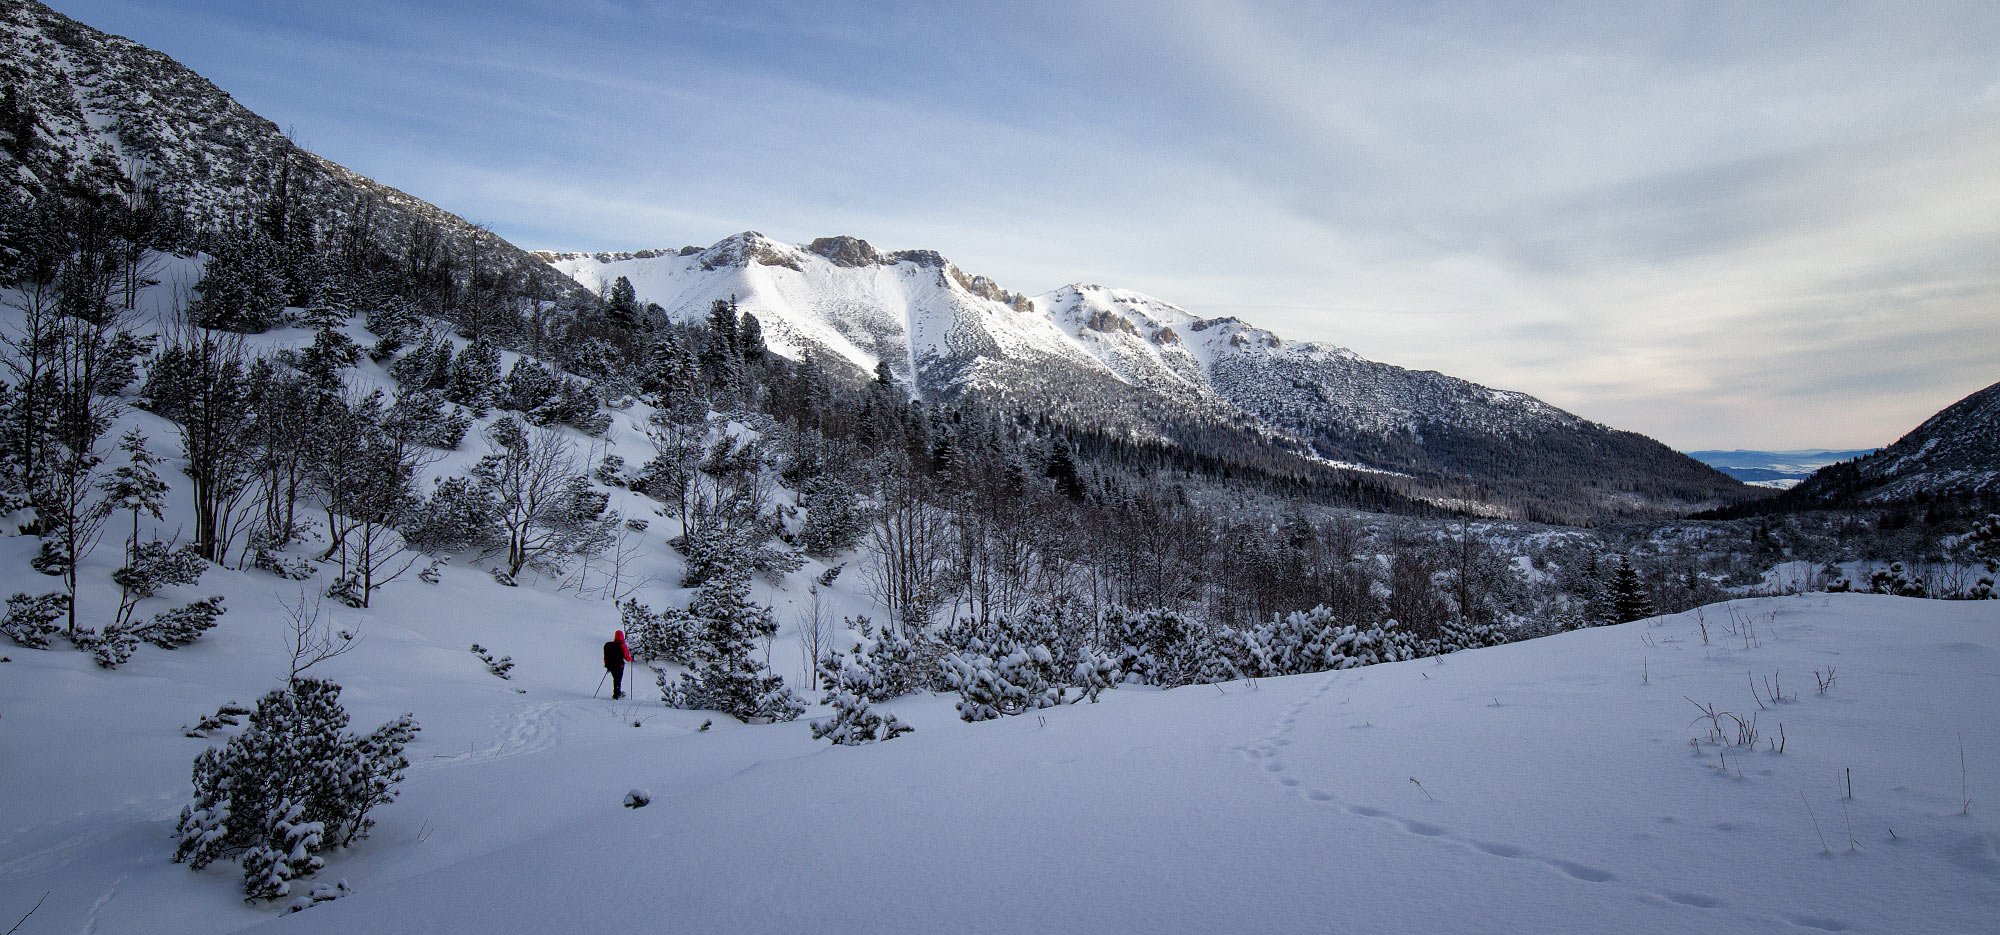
(1267, 752)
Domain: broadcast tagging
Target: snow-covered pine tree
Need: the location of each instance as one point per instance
(526, 387)
(883, 664)
(151, 566)
(242, 287)
(1002, 677)
(1154, 647)
(472, 376)
(1984, 541)
(134, 487)
(835, 521)
(621, 303)
(672, 374)
(724, 674)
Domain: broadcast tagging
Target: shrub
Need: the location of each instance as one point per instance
(291, 785)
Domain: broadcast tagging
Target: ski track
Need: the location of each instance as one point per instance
(1268, 754)
(73, 847)
(103, 900)
(529, 730)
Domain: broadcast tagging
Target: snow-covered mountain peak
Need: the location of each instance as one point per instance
(751, 247)
(1118, 358)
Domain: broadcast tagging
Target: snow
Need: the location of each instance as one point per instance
(1555, 788)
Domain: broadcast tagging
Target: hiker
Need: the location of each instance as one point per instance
(616, 655)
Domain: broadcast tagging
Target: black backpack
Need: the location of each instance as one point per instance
(614, 658)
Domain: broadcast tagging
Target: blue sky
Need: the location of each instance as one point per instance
(1770, 224)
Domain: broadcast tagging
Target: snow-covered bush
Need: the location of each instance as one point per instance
(346, 589)
(457, 515)
(224, 716)
(31, 620)
(320, 893)
(1153, 647)
(288, 567)
(714, 546)
(500, 666)
(427, 419)
(854, 721)
(835, 521)
(1896, 581)
(291, 785)
(150, 566)
(1035, 659)
(1002, 677)
(884, 665)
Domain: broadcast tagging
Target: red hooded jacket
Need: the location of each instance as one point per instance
(616, 653)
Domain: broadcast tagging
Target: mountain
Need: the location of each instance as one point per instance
(1953, 455)
(81, 108)
(1779, 470)
(1120, 358)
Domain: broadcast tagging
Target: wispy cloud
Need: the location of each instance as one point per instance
(1723, 224)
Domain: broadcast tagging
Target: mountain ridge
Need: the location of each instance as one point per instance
(1155, 368)
(84, 108)
(1954, 453)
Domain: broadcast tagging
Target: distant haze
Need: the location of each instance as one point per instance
(1770, 225)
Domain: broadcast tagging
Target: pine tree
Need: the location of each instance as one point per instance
(750, 339)
(622, 305)
(835, 520)
(473, 375)
(1629, 600)
(724, 673)
(1062, 469)
(855, 722)
(1984, 540)
(722, 355)
(671, 372)
(242, 287)
(135, 487)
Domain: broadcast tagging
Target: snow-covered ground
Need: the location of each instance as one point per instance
(1536, 787)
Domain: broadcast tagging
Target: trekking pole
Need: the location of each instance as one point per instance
(600, 683)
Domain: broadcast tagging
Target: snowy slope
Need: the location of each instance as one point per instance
(1556, 790)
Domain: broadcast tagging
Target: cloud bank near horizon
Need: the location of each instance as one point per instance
(1723, 225)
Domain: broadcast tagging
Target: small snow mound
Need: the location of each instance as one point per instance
(638, 798)
(321, 892)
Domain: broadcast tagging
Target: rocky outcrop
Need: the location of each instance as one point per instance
(846, 251)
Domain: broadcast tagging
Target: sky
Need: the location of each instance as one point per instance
(1726, 225)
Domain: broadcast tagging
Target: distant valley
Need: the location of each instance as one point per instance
(1779, 470)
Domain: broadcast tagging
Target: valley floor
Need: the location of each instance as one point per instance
(1543, 786)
